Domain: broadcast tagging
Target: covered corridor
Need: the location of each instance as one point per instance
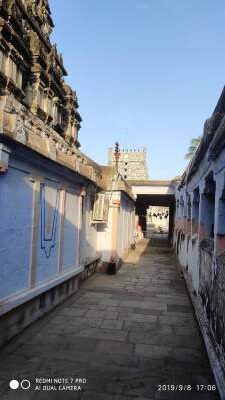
(154, 194)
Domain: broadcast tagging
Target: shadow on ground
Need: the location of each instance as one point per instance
(131, 336)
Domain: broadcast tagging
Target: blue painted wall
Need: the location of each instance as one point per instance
(16, 197)
(16, 230)
(48, 240)
(70, 235)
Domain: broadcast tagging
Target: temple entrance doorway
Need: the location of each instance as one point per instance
(155, 216)
(157, 221)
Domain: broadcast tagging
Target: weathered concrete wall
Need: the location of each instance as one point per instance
(207, 275)
(212, 293)
(125, 235)
(115, 237)
(88, 236)
(199, 241)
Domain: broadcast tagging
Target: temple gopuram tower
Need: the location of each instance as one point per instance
(131, 164)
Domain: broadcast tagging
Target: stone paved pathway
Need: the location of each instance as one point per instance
(125, 333)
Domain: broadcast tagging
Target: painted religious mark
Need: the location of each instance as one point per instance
(49, 218)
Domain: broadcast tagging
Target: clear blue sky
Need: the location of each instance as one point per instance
(147, 73)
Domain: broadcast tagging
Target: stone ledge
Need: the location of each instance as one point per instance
(22, 297)
(21, 316)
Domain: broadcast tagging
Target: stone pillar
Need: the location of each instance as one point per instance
(188, 196)
(192, 230)
(219, 227)
(138, 227)
(201, 225)
(195, 211)
(115, 229)
(142, 222)
(171, 220)
(61, 227)
(35, 228)
(207, 212)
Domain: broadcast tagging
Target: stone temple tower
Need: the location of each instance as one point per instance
(132, 163)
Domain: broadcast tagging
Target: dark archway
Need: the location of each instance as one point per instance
(165, 200)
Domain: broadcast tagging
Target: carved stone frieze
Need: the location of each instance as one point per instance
(11, 106)
(34, 43)
(28, 123)
(59, 146)
(20, 132)
(9, 5)
(38, 108)
(44, 134)
(52, 149)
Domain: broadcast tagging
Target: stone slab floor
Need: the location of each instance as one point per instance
(126, 334)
